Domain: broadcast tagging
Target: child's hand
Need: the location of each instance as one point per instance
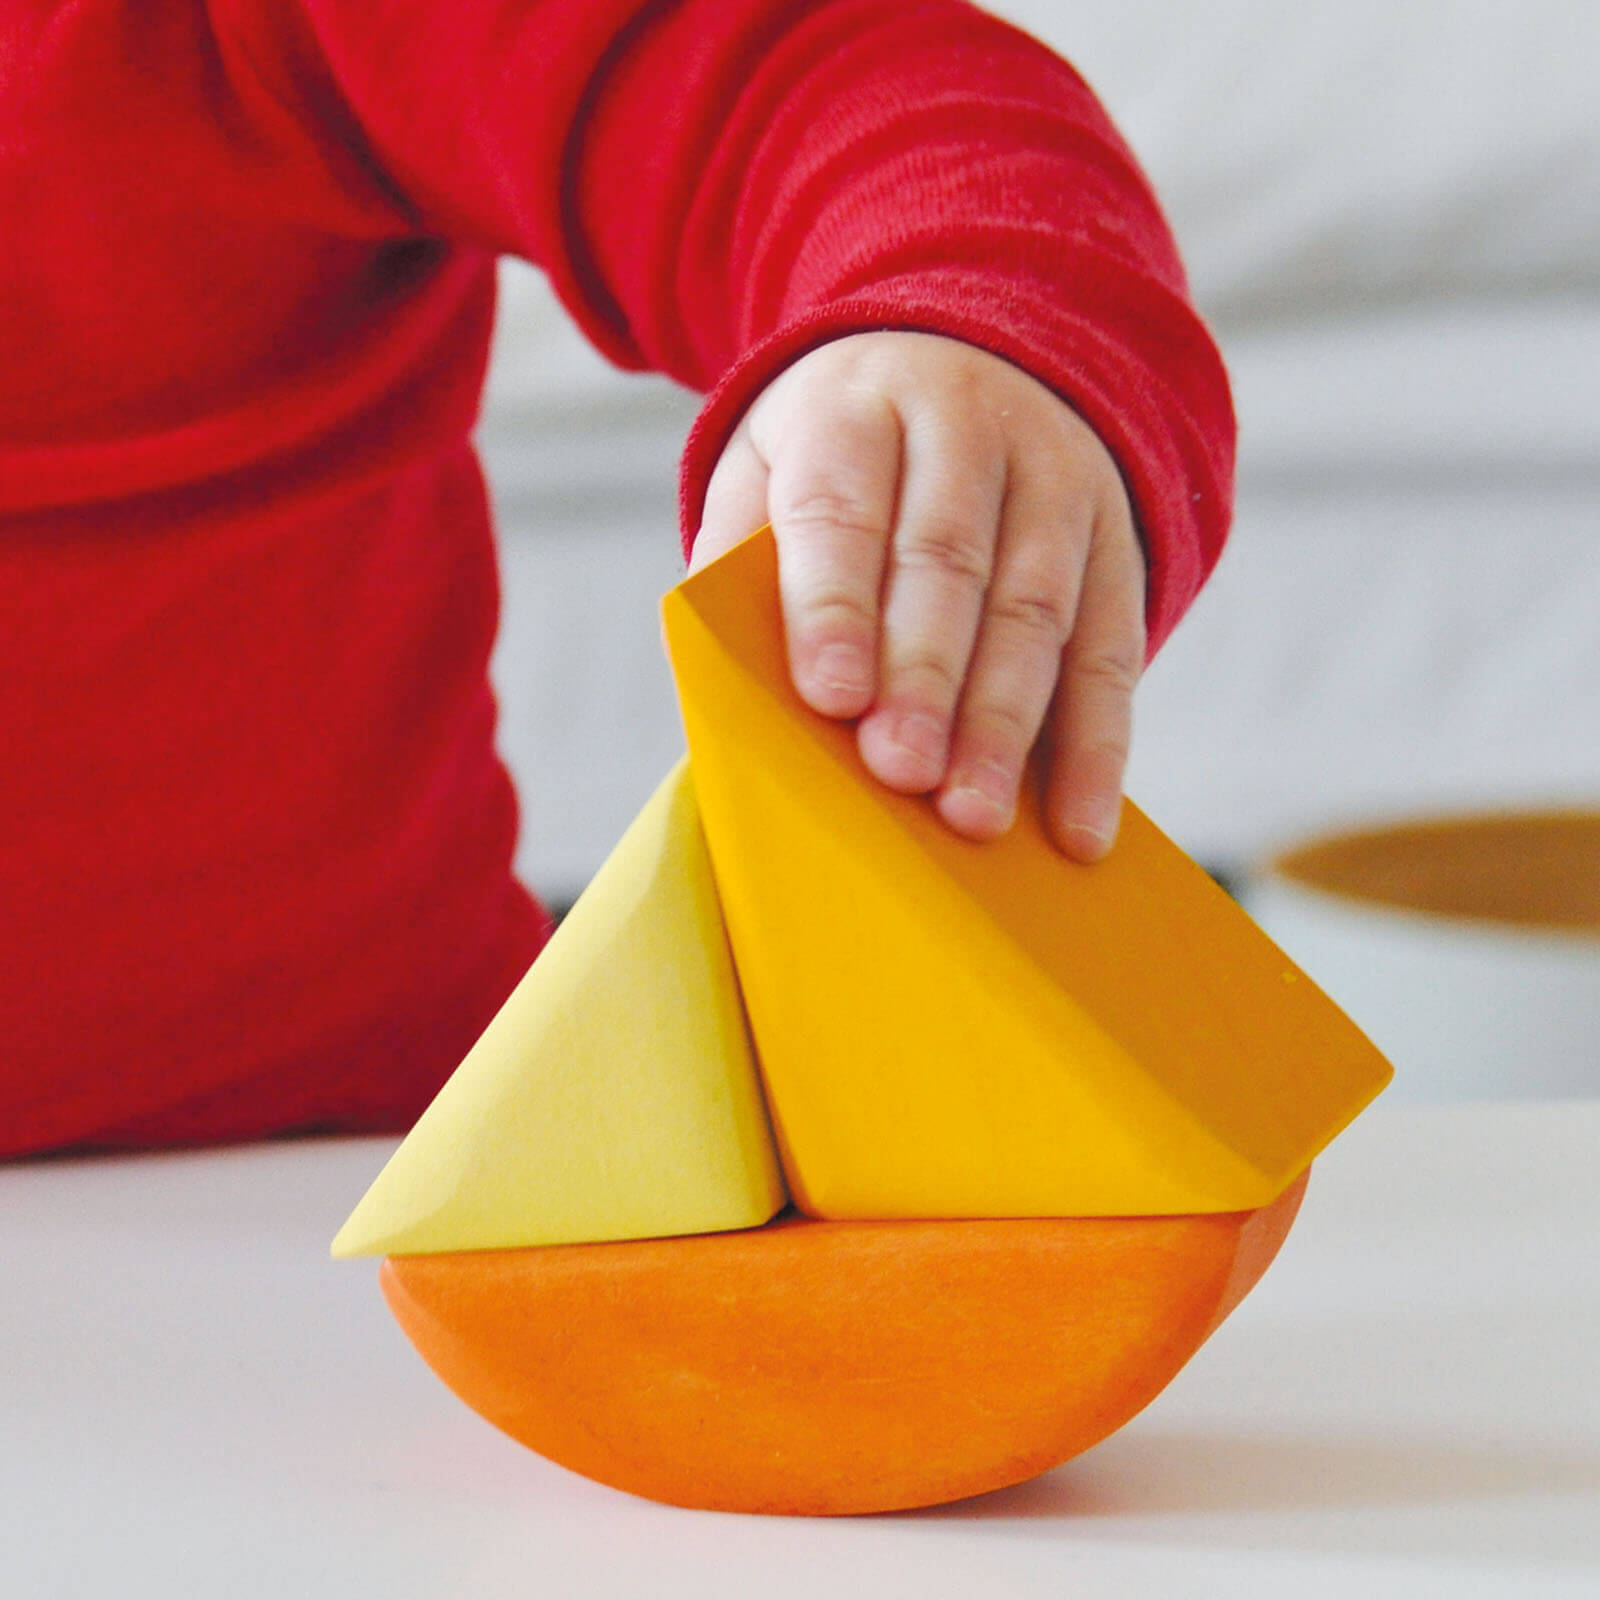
(959, 568)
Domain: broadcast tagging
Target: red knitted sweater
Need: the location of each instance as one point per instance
(255, 841)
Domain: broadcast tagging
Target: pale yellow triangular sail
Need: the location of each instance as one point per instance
(613, 1096)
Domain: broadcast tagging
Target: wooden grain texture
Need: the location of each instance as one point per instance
(824, 1368)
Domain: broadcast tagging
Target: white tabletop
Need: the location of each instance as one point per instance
(195, 1401)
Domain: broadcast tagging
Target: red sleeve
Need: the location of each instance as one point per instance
(715, 186)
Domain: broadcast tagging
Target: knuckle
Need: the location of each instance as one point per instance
(959, 415)
(1101, 759)
(949, 546)
(925, 674)
(837, 611)
(824, 508)
(1074, 496)
(967, 406)
(1004, 724)
(1113, 669)
(951, 372)
(1074, 447)
(1040, 612)
(1057, 487)
(1075, 440)
(848, 409)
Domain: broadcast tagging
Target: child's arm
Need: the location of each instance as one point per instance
(726, 190)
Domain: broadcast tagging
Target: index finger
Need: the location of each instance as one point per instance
(831, 496)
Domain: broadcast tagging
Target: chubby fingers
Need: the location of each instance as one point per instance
(959, 570)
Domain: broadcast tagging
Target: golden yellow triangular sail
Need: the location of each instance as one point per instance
(951, 1029)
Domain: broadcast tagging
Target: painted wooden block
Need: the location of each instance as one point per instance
(831, 1367)
(951, 1029)
(614, 1096)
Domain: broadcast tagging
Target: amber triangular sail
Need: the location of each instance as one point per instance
(948, 1029)
(613, 1096)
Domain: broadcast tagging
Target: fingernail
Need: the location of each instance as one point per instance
(842, 668)
(982, 795)
(922, 736)
(1095, 828)
(989, 781)
(1093, 841)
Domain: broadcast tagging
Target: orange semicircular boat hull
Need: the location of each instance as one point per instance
(826, 1368)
